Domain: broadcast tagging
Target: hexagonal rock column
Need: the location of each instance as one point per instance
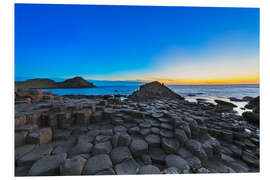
(153, 140)
(83, 146)
(149, 169)
(97, 163)
(138, 147)
(169, 145)
(41, 136)
(73, 166)
(120, 154)
(102, 148)
(20, 138)
(176, 161)
(20, 120)
(127, 167)
(49, 165)
(36, 154)
(63, 119)
(196, 148)
(83, 116)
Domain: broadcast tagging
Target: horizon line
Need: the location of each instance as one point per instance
(147, 81)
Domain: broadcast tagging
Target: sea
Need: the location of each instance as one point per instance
(191, 92)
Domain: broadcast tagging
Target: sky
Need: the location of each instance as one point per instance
(174, 45)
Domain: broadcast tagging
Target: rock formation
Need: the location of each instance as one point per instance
(154, 90)
(96, 135)
(76, 82)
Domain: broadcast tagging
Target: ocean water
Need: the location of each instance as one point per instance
(190, 92)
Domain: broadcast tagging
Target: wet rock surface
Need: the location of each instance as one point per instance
(99, 135)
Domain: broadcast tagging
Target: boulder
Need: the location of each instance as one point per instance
(224, 103)
(48, 165)
(97, 163)
(251, 117)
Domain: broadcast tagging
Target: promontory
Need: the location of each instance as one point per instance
(76, 82)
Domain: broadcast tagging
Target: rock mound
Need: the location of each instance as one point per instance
(76, 82)
(154, 90)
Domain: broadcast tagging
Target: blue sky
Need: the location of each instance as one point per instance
(180, 44)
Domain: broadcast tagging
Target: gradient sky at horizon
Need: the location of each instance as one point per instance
(175, 45)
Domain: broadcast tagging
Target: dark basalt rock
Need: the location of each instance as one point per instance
(120, 154)
(224, 103)
(154, 90)
(131, 137)
(127, 167)
(254, 104)
(149, 169)
(48, 165)
(176, 161)
(251, 117)
(97, 163)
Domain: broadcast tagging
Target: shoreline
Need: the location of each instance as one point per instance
(77, 130)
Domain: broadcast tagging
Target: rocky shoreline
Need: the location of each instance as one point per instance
(153, 131)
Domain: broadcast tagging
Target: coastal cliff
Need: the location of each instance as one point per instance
(76, 82)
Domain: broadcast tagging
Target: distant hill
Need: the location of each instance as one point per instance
(76, 82)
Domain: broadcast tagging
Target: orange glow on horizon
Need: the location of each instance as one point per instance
(215, 81)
